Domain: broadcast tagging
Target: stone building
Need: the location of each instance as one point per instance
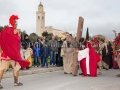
(40, 23)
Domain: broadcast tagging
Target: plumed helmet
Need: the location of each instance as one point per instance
(12, 20)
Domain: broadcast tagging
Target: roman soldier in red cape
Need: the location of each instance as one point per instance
(10, 50)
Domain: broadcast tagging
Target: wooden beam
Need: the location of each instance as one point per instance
(79, 35)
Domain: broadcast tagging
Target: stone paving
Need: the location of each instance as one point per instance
(57, 80)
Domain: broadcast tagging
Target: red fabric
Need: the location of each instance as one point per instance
(98, 57)
(92, 63)
(10, 44)
(83, 66)
(4, 56)
(93, 60)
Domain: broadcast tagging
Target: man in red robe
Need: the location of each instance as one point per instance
(10, 50)
(88, 62)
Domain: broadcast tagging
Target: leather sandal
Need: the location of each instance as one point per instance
(18, 84)
(1, 87)
(118, 75)
(80, 73)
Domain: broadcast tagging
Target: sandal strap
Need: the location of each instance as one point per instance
(18, 84)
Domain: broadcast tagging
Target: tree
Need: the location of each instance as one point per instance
(45, 34)
(49, 36)
(87, 34)
(33, 37)
(1, 27)
(23, 34)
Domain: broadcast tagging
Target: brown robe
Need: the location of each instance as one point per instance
(67, 54)
(75, 45)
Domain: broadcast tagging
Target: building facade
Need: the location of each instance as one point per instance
(40, 23)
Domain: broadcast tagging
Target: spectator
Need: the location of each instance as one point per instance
(28, 53)
(59, 58)
(39, 42)
(26, 42)
(37, 52)
(44, 38)
(45, 54)
(53, 50)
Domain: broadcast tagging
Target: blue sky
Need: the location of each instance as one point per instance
(101, 16)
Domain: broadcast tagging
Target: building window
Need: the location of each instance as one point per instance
(42, 17)
(38, 17)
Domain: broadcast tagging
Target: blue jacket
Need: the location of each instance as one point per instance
(45, 51)
(36, 51)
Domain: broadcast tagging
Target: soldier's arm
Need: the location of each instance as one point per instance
(0, 50)
(17, 31)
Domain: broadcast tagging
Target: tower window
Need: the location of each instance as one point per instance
(42, 17)
(38, 17)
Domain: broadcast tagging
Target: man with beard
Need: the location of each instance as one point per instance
(67, 53)
(89, 60)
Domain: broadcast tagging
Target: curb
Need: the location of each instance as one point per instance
(31, 71)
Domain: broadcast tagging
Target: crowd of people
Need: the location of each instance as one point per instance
(41, 50)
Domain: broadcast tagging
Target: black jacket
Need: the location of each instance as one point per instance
(26, 42)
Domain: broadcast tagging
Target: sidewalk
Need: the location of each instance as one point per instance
(33, 70)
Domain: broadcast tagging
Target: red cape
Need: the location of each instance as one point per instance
(10, 44)
(92, 62)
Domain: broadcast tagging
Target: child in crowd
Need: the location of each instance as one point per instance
(37, 52)
(28, 53)
(45, 54)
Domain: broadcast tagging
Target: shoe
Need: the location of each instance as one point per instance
(27, 68)
(21, 68)
(1, 87)
(18, 84)
(65, 73)
(107, 69)
(80, 73)
(118, 75)
(51, 65)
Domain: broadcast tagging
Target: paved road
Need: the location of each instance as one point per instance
(59, 81)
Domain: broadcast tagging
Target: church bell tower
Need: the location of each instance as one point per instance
(40, 20)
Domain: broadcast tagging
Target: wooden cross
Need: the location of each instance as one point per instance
(79, 35)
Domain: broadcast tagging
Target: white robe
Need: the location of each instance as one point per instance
(84, 54)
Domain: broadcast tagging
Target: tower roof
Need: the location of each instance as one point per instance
(40, 4)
